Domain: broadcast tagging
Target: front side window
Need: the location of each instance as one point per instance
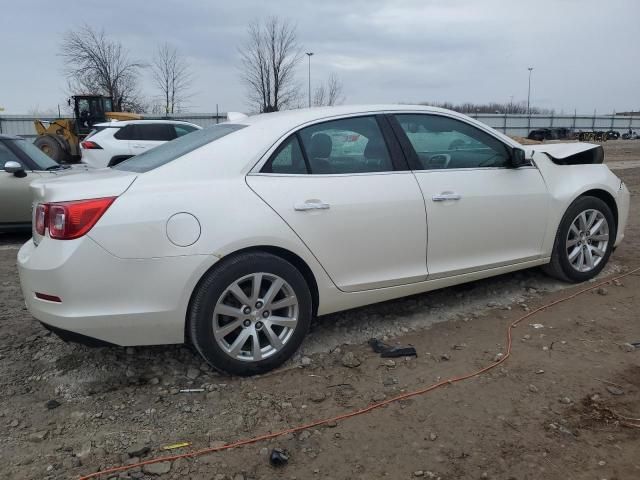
(443, 142)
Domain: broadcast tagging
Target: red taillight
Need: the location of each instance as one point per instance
(89, 145)
(69, 220)
(42, 210)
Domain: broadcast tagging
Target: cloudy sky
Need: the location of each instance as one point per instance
(585, 53)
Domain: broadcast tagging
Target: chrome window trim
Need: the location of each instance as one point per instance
(262, 159)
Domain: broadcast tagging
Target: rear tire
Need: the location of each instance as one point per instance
(250, 313)
(582, 247)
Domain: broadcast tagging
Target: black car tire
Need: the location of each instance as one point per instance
(560, 266)
(214, 285)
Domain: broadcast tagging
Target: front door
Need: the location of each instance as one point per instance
(481, 213)
(336, 185)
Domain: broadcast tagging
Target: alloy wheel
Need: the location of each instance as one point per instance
(587, 240)
(255, 317)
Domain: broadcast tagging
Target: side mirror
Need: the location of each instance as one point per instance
(16, 168)
(518, 158)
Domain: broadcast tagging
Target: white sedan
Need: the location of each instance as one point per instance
(234, 236)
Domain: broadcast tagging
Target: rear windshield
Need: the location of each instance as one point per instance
(169, 151)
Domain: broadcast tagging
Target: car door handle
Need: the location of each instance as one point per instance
(311, 205)
(444, 196)
(136, 145)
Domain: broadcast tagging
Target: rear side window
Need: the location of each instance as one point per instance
(349, 145)
(169, 151)
(287, 159)
(158, 132)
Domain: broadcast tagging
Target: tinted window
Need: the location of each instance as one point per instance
(443, 142)
(183, 129)
(7, 155)
(158, 132)
(287, 159)
(350, 145)
(169, 151)
(124, 133)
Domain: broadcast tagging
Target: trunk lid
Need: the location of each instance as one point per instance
(81, 186)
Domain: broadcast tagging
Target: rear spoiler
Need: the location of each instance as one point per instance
(572, 153)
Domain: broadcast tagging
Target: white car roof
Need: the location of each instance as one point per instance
(124, 123)
(279, 122)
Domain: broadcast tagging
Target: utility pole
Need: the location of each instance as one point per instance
(309, 55)
(529, 94)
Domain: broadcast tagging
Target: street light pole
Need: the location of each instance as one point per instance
(309, 55)
(529, 94)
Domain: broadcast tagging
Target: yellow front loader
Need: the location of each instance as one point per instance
(60, 139)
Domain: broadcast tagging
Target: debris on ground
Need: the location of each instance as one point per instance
(278, 457)
(51, 404)
(392, 351)
(614, 390)
(173, 446)
(349, 360)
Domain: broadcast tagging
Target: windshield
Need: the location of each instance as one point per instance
(41, 159)
(169, 151)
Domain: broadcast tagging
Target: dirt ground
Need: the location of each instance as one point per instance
(560, 408)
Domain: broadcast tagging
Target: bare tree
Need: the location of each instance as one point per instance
(269, 59)
(172, 77)
(98, 65)
(329, 94)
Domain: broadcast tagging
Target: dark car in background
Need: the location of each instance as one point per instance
(552, 133)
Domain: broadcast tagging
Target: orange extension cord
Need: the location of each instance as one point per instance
(373, 406)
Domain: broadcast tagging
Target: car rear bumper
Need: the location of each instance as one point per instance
(119, 301)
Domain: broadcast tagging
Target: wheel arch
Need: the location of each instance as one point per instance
(283, 253)
(607, 198)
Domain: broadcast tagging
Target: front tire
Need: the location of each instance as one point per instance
(250, 313)
(583, 242)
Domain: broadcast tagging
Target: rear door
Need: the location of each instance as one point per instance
(343, 189)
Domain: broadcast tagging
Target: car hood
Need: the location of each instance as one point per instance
(571, 153)
(80, 184)
(562, 150)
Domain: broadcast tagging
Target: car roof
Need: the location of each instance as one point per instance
(280, 122)
(124, 123)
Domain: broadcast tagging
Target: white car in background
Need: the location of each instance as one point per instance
(110, 143)
(235, 236)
